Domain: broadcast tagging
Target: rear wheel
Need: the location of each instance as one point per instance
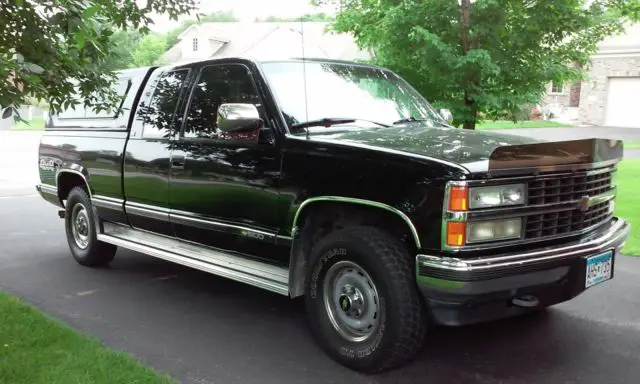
(81, 231)
(362, 301)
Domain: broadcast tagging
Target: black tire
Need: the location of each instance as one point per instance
(402, 318)
(95, 253)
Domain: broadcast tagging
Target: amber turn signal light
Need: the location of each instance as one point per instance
(456, 233)
(459, 198)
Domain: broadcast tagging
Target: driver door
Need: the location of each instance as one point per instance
(223, 186)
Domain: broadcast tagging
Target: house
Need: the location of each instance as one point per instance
(262, 40)
(609, 95)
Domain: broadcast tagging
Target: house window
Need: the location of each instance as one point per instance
(557, 87)
(195, 44)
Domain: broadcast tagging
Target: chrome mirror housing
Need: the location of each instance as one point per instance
(238, 117)
(446, 115)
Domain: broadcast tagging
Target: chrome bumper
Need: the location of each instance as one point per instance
(610, 236)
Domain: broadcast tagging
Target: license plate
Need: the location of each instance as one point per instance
(598, 269)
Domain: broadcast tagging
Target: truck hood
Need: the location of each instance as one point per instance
(477, 151)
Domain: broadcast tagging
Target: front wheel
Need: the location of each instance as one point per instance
(81, 231)
(362, 301)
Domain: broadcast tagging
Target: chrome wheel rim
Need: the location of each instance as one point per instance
(80, 226)
(351, 301)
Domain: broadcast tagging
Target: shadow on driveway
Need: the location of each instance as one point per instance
(205, 329)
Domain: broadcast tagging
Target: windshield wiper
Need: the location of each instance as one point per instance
(409, 119)
(330, 121)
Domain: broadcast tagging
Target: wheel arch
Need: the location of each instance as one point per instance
(67, 178)
(298, 257)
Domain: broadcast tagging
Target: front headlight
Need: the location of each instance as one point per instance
(497, 196)
(494, 230)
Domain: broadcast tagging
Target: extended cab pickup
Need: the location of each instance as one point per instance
(337, 182)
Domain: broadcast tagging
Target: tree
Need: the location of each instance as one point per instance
(149, 50)
(53, 50)
(125, 43)
(489, 56)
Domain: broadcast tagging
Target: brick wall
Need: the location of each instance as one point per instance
(593, 93)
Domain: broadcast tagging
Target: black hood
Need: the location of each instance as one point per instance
(477, 151)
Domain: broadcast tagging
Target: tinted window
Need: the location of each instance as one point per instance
(218, 84)
(158, 114)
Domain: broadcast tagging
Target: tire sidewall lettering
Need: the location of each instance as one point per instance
(319, 266)
(401, 318)
(352, 351)
(374, 344)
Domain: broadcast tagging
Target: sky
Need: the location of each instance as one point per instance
(247, 10)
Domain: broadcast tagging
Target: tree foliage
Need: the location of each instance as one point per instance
(489, 56)
(628, 8)
(149, 50)
(51, 50)
(125, 43)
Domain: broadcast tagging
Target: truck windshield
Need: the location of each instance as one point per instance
(345, 91)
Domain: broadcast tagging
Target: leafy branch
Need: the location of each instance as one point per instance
(60, 51)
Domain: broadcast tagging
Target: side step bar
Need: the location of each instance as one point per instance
(217, 262)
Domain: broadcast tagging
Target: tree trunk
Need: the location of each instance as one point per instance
(465, 11)
(470, 121)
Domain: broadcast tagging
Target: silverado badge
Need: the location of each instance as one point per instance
(584, 203)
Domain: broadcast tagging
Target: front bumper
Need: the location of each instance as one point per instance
(471, 290)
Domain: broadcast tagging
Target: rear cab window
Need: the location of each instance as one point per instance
(81, 117)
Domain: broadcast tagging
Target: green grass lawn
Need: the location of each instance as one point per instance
(632, 144)
(628, 202)
(504, 124)
(37, 349)
(35, 124)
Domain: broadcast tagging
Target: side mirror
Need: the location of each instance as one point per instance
(446, 115)
(238, 118)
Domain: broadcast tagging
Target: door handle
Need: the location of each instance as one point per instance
(177, 161)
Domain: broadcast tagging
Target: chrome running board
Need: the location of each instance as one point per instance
(217, 262)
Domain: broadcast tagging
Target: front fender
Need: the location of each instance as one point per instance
(362, 202)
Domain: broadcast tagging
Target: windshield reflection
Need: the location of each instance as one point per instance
(341, 90)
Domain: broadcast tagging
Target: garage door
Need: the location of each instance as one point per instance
(622, 102)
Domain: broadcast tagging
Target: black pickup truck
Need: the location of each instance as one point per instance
(339, 183)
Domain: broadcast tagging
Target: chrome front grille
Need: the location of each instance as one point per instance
(564, 189)
(568, 187)
(565, 222)
(558, 204)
